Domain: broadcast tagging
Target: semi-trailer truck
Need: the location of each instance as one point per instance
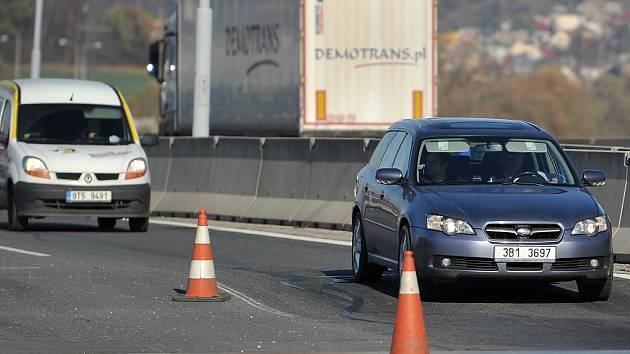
(301, 67)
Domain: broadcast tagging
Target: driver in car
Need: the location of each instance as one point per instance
(435, 168)
(512, 163)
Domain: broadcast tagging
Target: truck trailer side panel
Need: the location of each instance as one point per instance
(367, 63)
(255, 67)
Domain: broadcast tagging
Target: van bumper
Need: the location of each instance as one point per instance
(36, 200)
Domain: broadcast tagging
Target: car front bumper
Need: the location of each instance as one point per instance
(472, 256)
(35, 200)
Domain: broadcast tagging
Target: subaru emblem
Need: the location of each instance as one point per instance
(523, 231)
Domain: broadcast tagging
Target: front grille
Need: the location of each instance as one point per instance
(524, 266)
(62, 205)
(68, 176)
(573, 264)
(468, 263)
(106, 176)
(508, 232)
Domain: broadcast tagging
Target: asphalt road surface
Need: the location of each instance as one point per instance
(87, 290)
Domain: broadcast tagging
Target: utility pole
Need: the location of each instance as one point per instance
(36, 56)
(203, 55)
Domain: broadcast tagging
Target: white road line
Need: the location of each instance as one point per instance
(622, 275)
(256, 232)
(248, 300)
(18, 268)
(17, 250)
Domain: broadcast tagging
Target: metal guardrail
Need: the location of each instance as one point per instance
(310, 181)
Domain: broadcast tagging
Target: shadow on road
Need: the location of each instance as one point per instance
(478, 291)
(39, 226)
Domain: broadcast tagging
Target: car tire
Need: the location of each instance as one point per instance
(362, 270)
(138, 224)
(427, 290)
(106, 223)
(596, 290)
(15, 221)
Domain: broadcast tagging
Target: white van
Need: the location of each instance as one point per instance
(70, 148)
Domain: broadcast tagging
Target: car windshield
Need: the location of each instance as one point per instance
(77, 124)
(492, 160)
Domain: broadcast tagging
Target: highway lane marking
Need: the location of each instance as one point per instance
(18, 268)
(256, 232)
(248, 300)
(622, 275)
(30, 253)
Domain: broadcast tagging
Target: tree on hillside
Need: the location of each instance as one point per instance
(613, 92)
(545, 96)
(131, 30)
(16, 15)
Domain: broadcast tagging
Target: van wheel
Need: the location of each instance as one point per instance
(597, 290)
(15, 222)
(106, 223)
(362, 271)
(138, 224)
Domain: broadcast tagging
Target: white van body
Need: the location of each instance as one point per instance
(70, 148)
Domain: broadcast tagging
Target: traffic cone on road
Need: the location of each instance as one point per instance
(410, 335)
(202, 282)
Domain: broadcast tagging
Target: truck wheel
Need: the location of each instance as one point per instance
(596, 290)
(138, 224)
(15, 222)
(106, 223)
(362, 271)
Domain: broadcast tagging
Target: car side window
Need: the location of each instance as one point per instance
(392, 150)
(401, 161)
(5, 124)
(377, 155)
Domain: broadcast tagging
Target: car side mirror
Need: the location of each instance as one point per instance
(389, 176)
(149, 140)
(594, 178)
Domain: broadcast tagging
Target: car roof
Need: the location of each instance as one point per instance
(39, 91)
(459, 126)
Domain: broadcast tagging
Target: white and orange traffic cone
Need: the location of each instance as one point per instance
(410, 335)
(202, 282)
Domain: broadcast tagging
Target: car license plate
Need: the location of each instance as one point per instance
(524, 254)
(88, 196)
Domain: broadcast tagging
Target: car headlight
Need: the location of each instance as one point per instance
(137, 168)
(590, 227)
(35, 167)
(449, 226)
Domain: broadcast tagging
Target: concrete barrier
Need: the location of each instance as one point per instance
(283, 182)
(310, 182)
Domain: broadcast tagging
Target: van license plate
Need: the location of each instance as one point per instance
(88, 196)
(524, 254)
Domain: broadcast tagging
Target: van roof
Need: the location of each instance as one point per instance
(37, 91)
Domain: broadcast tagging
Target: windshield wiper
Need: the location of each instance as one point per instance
(42, 140)
(525, 183)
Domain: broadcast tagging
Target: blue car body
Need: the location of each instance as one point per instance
(383, 210)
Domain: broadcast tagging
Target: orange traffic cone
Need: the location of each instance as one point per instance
(202, 282)
(410, 336)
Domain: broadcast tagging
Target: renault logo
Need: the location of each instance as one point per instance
(523, 231)
(87, 178)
